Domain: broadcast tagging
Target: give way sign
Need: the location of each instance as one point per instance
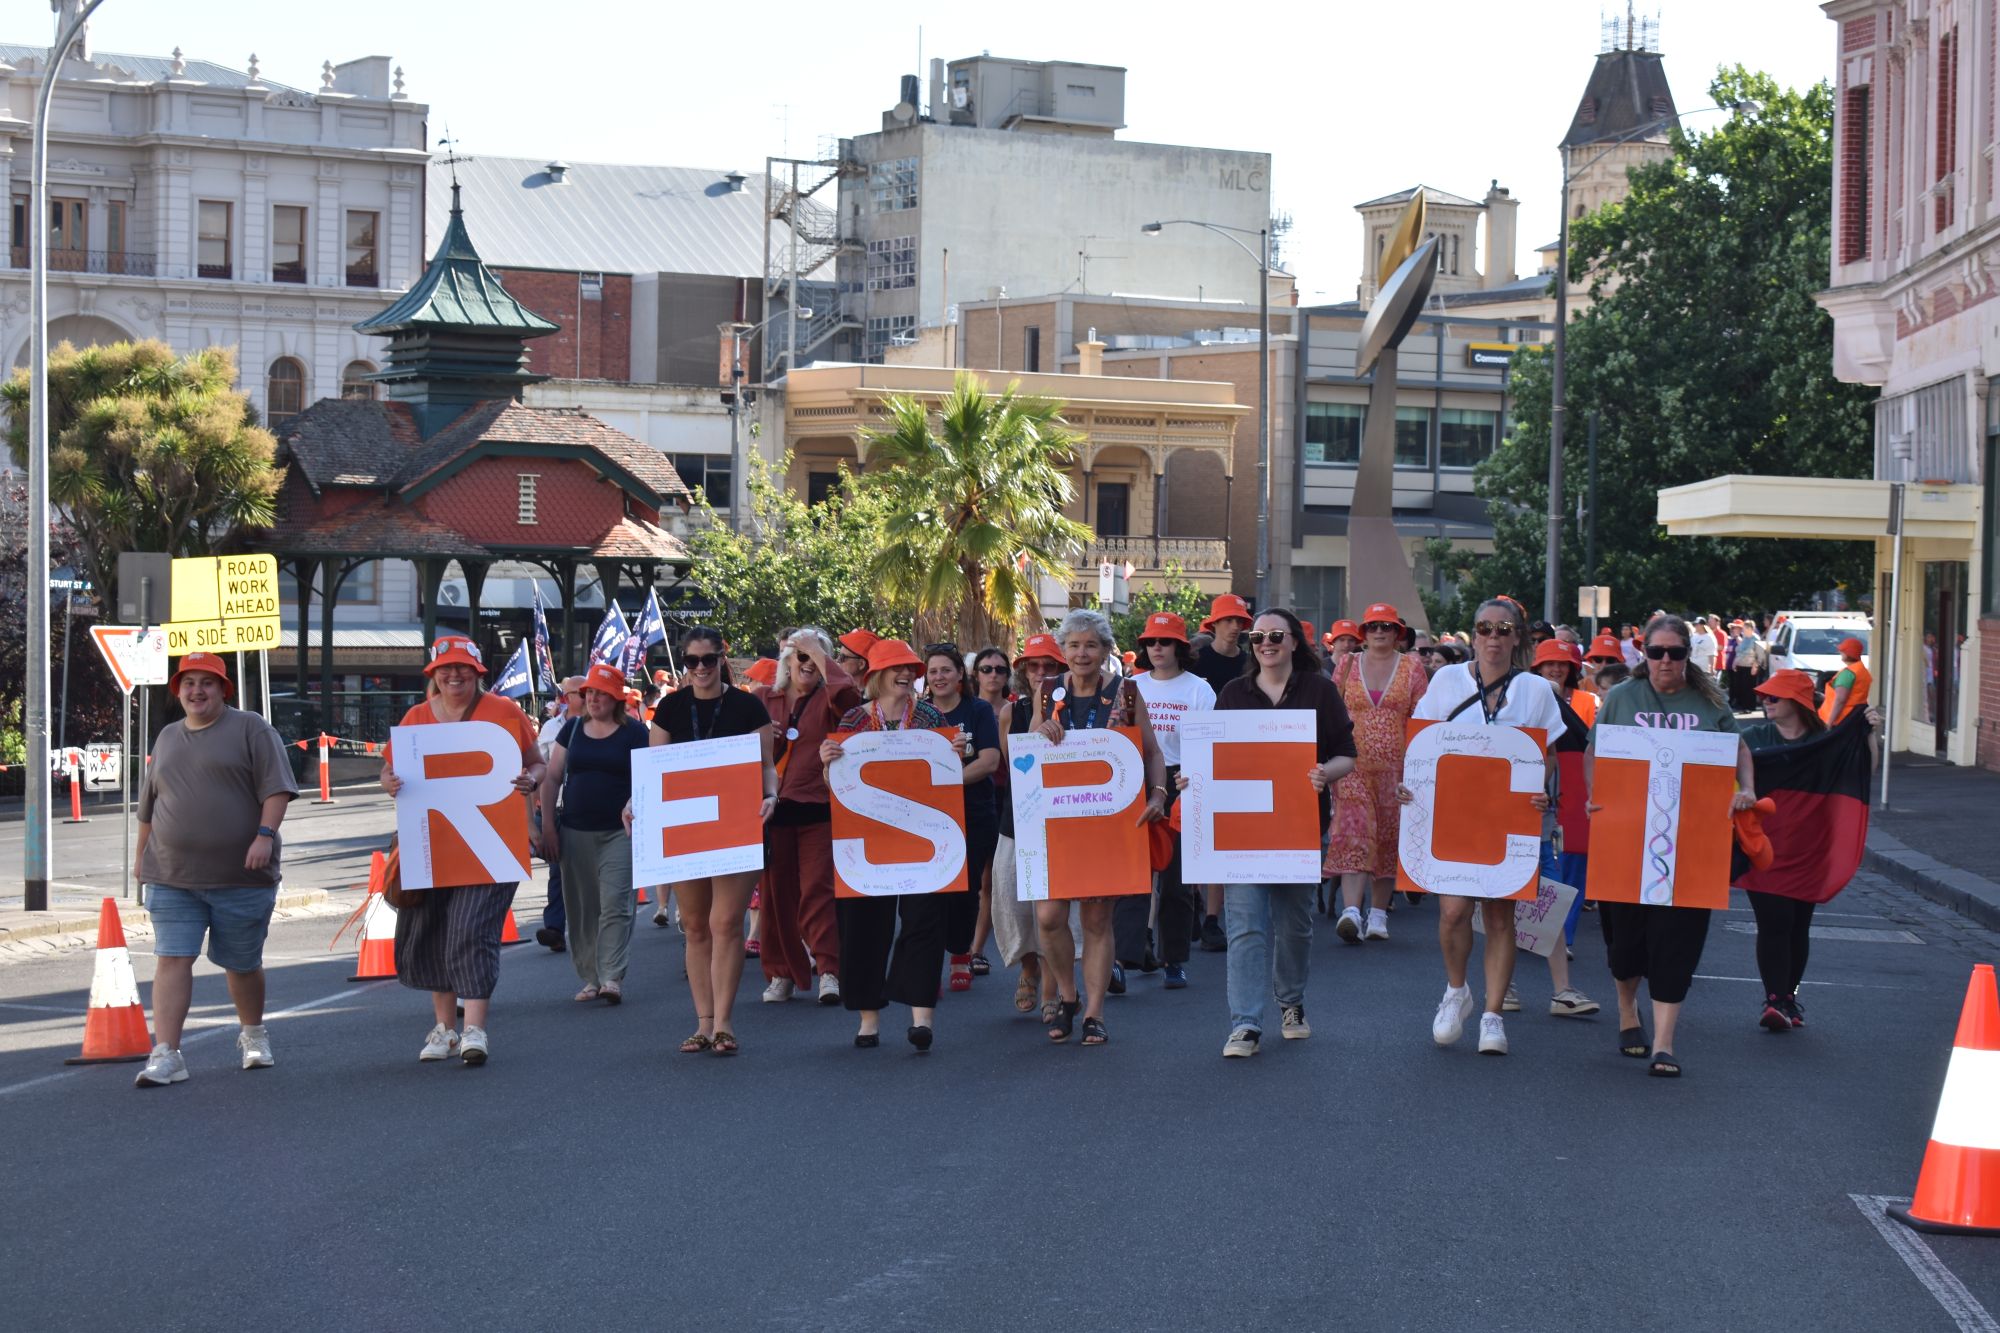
(136, 655)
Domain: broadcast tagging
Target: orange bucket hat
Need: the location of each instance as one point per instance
(1792, 684)
(1043, 646)
(889, 653)
(457, 650)
(1228, 606)
(208, 662)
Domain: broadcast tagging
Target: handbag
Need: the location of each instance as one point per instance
(393, 892)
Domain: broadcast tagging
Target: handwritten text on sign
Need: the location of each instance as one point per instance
(694, 810)
(1470, 830)
(458, 818)
(1538, 922)
(1663, 834)
(898, 815)
(1249, 814)
(1077, 807)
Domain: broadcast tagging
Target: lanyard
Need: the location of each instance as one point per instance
(714, 718)
(910, 711)
(1090, 719)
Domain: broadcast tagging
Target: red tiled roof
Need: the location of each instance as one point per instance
(350, 442)
(636, 539)
(504, 421)
(390, 529)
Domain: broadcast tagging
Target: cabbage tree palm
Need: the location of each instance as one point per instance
(976, 492)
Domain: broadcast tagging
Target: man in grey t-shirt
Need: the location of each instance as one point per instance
(209, 811)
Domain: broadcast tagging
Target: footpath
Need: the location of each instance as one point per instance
(71, 920)
(1940, 835)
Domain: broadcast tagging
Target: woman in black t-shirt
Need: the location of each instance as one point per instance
(709, 707)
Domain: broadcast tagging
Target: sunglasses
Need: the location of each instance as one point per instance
(1374, 625)
(1487, 629)
(701, 661)
(993, 669)
(1271, 636)
(1428, 652)
(1672, 652)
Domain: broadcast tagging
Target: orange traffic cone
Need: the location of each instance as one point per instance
(642, 899)
(510, 933)
(115, 1028)
(378, 941)
(1958, 1189)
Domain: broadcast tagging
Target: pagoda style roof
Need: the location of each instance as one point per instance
(458, 291)
(1627, 92)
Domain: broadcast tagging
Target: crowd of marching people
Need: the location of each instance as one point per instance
(1363, 682)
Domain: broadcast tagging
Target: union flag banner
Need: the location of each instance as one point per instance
(1662, 835)
(898, 814)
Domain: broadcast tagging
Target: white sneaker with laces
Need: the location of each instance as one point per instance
(829, 988)
(1292, 1025)
(1349, 926)
(1510, 1003)
(1453, 1010)
(778, 991)
(163, 1066)
(440, 1044)
(1492, 1034)
(1242, 1043)
(1378, 924)
(255, 1045)
(1572, 1003)
(473, 1049)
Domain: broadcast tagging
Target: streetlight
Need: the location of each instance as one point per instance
(1262, 255)
(736, 331)
(35, 704)
(1558, 410)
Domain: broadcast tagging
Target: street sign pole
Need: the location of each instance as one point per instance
(146, 697)
(264, 682)
(62, 722)
(125, 798)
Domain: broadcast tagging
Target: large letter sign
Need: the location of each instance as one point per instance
(1077, 810)
(694, 810)
(898, 814)
(458, 818)
(1663, 834)
(1249, 814)
(1470, 831)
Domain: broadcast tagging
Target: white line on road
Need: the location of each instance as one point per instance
(41, 1008)
(216, 1031)
(1961, 1305)
(1841, 985)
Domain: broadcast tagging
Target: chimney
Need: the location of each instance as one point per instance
(1501, 236)
(1090, 355)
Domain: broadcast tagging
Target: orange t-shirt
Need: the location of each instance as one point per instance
(489, 707)
(1584, 703)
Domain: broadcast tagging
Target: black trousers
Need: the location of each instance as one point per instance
(961, 913)
(1742, 689)
(1661, 944)
(1179, 912)
(879, 967)
(1784, 935)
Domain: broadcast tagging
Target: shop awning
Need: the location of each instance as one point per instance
(1841, 508)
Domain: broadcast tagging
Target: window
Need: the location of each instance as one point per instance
(524, 497)
(892, 263)
(1031, 361)
(69, 236)
(1857, 174)
(1947, 127)
(1114, 509)
(892, 185)
(358, 588)
(354, 381)
(17, 231)
(1989, 584)
(1319, 592)
(1333, 432)
(284, 391)
(212, 253)
(1413, 437)
(361, 266)
(288, 244)
(885, 330)
(114, 236)
(1465, 436)
(707, 475)
(590, 286)
(819, 485)
(1081, 90)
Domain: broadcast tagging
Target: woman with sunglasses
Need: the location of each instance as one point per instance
(1085, 699)
(712, 909)
(1270, 925)
(979, 754)
(798, 933)
(1171, 692)
(879, 965)
(1014, 928)
(1380, 687)
(1496, 688)
(1662, 945)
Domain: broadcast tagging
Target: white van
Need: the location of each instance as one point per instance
(1810, 641)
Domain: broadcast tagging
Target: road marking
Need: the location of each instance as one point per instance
(216, 1031)
(1852, 934)
(1960, 1305)
(1840, 985)
(41, 1008)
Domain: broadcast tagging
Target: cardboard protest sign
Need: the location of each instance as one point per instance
(1249, 814)
(458, 818)
(1470, 831)
(694, 810)
(1538, 922)
(1077, 810)
(1663, 833)
(898, 814)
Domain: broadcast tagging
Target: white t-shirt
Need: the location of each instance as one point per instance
(1701, 650)
(1530, 701)
(546, 737)
(1167, 701)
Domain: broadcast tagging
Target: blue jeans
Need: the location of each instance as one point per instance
(234, 920)
(1259, 964)
(1573, 869)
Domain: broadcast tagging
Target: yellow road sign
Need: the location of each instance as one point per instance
(224, 603)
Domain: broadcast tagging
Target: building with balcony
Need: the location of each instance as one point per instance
(202, 205)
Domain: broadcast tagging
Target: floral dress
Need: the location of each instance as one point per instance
(1366, 814)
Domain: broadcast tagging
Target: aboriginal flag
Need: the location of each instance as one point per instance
(1821, 823)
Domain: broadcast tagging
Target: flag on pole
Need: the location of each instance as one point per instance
(651, 629)
(545, 662)
(514, 677)
(612, 632)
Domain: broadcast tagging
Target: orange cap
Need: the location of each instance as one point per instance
(1043, 646)
(1343, 627)
(858, 642)
(456, 649)
(1790, 684)
(1555, 650)
(1853, 648)
(1380, 613)
(1228, 606)
(1605, 645)
(889, 653)
(207, 662)
(605, 679)
(763, 671)
(1164, 625)
(1306, 626)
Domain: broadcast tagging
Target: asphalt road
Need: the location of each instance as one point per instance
(590, 1176)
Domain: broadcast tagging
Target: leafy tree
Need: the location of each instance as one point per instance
(975, 509)
(150, 452)
(1180, 595)
(800, 564)
(1704, 354)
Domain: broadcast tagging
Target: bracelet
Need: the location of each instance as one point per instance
(265, 831)
(1161, 790)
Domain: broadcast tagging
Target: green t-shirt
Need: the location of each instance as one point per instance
(1636, 704)
(1762, 736)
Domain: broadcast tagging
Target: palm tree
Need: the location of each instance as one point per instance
(976, 502)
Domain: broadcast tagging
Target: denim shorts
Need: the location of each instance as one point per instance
(235, 921)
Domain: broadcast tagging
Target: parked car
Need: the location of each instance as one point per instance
(1810, 641)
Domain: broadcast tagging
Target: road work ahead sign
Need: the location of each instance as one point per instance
(224, 603)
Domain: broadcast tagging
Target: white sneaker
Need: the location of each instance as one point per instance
(473, 1050)
(1510, 1003)
(440, 1044)
(1378, 924)
(829, 988)
(1242, 1043)
(255, 1045)
(1349, 926)
(1453, 1010)
(660, 918)
(1292, 1025)
(1572, 1003)
(163, 1066)
(1492, 1034)
(778, 991)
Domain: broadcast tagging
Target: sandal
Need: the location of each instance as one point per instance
(612, 993)
(724, 1043)
(1632, 1042)
(1064, 1021)
(1025, 993)
(588, 993)
(1664, 1065)
(961, 972)
(980, 965)
(696, 1044)
(1094, 1033)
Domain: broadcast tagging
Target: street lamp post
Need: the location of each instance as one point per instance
(736, 331)
(35, 704)
(1262, 255)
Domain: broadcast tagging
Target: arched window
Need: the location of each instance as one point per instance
(284, 391)
(354, 382)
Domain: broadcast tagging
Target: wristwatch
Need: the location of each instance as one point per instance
(266, 831)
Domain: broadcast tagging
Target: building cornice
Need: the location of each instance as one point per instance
(346, 152)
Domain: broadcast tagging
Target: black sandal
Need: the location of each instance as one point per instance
(1664, 1065)
(1065, 1020)
(981, 965)
(1632, 1042)
(1094, 1033)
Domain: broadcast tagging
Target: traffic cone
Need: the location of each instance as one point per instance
(642, 899)
(114, 1030)
(1958, 1189)
(378, 931)
(510, 933)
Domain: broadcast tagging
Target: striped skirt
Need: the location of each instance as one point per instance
(449, 940)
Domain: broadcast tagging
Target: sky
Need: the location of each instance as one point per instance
(1353, 100)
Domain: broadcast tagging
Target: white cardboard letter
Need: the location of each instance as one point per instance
(1208, 796)
(654, 818)
(846, 778)
(457, 799)
(1035, 804)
